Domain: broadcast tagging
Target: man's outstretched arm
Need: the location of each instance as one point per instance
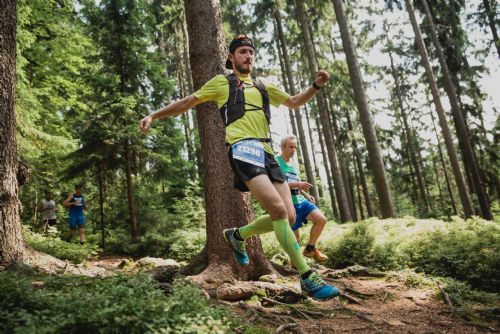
(296, 101)
(173, 109)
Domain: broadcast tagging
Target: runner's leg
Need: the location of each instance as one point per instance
(276, 200)
(319, 220)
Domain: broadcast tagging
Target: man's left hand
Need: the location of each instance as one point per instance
(322, 78)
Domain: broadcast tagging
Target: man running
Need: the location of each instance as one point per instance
(48, 209)
(244, 105)
(305, 208)
(76, 203)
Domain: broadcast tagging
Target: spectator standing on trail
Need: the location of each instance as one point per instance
(305, 204)
(47, 207)
(244, 104)
(76, 204)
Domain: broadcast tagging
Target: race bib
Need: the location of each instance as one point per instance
(250, 151)
(290, 177)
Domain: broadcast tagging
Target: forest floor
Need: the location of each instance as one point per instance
(385, 307)
(373, 305)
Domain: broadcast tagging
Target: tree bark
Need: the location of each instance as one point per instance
(225, 206)
(130, 191)
(12, 245)
(491, 23)
(285, 81)
(359, 163)
(345, 212)
(459, 178)
(298, 118)
(377, 164)
(460, 126)
(445, 169)
(315, 162)
(100, 180)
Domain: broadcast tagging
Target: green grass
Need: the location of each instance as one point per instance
(465, 250)
(33, 303)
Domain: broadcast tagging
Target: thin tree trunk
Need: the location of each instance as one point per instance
(101, 204)
(311, 140)
(12, 245)
(329, 179)
(460, 126)
(206, 37)
(343, 202)
(409, 137)
(359, 163)
(298, 118)
(445, 169)
(130, 195)
(438, 184)
(349, 188)
(285, 81)
(491, 23)
(459, 178)
(377, 164)
(360, 201)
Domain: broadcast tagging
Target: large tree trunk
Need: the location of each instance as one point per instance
(225, 206)
(459, 178)
(377, 164)
(460, 126)
(291, 86)
(12, 245)
(345, 212)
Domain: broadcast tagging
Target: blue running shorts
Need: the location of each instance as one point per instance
(302, 210)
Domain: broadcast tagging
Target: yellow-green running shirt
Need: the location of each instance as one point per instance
(253, 124)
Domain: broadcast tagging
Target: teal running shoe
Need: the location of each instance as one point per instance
(316, 287)
(239, 252)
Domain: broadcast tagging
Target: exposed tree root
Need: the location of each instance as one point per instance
(355, 270)
(48, 264)
(245, 289)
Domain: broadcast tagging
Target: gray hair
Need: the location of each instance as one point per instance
(286, 139)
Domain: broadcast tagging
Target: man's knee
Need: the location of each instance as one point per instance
(278, 211)
(319, 219)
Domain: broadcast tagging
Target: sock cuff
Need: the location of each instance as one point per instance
(280, 221)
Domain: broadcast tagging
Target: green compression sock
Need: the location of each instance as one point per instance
(287, 240)
(261, 225)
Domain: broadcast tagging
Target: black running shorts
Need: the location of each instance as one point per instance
(244, 171)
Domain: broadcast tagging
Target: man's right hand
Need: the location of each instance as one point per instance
(145, 123)
(304, 186)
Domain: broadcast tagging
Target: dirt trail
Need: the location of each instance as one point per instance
(386, 307)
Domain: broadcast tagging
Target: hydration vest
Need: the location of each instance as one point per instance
(234, 108)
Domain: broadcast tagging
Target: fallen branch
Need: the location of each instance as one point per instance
(363, 317)
(297, 310)
(350, 298)
(271, 318)
(446, 298)
(356, 292)
(355, 270)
